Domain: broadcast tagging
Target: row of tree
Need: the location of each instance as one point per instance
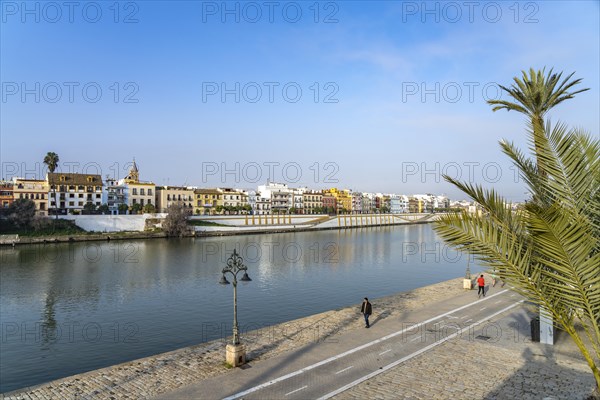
(91, 208)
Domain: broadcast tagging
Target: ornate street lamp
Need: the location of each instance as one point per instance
(236, 354)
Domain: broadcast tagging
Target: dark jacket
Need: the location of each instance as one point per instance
(366, 308)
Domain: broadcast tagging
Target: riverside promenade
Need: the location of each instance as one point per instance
(433, 342)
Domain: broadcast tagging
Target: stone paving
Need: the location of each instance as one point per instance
(507, 366)
(482, 370)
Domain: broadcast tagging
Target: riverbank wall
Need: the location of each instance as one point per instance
(147, 226)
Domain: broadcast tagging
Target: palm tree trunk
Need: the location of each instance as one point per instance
(537, 124)
(586, 354)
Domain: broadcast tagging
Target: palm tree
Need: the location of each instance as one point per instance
(535, 94)
(51, 160)
(549, 250)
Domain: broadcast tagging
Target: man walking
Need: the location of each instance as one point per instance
(481, 284)
(366, 309)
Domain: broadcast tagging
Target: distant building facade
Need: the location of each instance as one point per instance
(70, 192)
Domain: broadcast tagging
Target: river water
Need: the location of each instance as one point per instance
(70, 308)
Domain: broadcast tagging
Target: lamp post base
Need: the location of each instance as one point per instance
(467, 284)
(235, 355)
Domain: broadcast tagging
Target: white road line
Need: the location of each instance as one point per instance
(297, 390)
(418, 337)
(499, 301)
(416, 353)
(481, 309)
(354, 350)
(387, 351)
(469, 320)
(466, 316)
(512, 295)
(452, 316)
(345, 369)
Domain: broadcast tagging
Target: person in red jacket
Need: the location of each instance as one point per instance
(481, 284)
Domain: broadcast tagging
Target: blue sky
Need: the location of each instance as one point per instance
(392, 93)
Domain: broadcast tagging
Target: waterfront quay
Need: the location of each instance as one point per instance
(437, 341)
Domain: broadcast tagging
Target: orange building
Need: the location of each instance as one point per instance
(6, 194)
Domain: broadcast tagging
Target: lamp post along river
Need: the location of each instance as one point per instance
(235, 353)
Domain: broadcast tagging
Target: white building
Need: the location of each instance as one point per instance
(280, 196)
(298, 199)
(70, 192)
(357, 203)
(113, 195)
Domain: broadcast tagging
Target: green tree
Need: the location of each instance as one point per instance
(135, 208)
(122, 208)
(21, 213)
(51, 160)
(89, 208)
(549, 250)
(149, 208)
(535, 94)
(103, 209)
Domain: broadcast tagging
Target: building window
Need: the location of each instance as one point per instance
(134, 191)
(149, 192)
(98, 196)
(71, 187)
(71, 203)
(142, 192)
(81, 195)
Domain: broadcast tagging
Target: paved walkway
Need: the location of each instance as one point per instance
(434, 342)
(459, 349)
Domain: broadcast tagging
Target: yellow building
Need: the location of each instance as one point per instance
(169, 195)
(313, 201)
(137, 192)
(35, 190)
(206, 201)
(343, 198)
(415, 204)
